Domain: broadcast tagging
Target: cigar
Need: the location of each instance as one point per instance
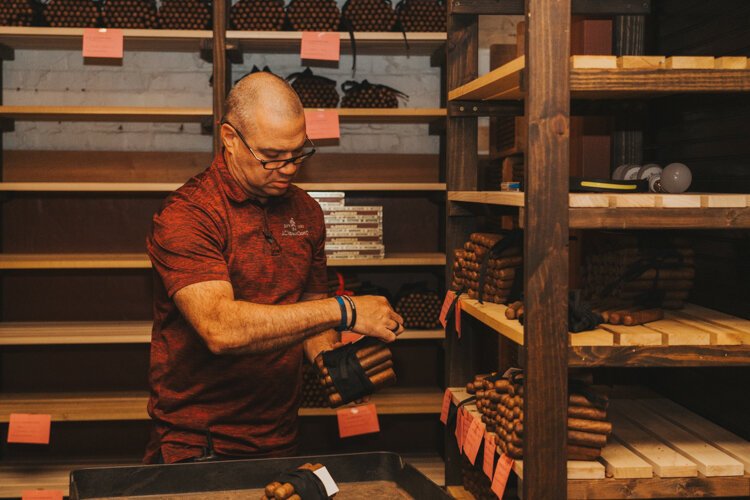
(361, 354)
(643, 316)
(587, 413)
(284, 491)
(371, 372)
(271, 488)
(591, 426)
(512, 311)
(379, 380)
(583, 453)
(587, 439)
(616, 317)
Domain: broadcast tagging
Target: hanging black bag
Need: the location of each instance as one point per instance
(313, 15)
(134, 14)
(258, 15)
(314, 91)
(422, 15)
(370, 95)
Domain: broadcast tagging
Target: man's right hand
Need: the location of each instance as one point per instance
(376, 318)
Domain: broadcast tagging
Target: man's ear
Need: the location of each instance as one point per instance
(228, 137)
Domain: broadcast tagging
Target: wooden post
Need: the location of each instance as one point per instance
(222, 69)
(546, 248)
(461, 174)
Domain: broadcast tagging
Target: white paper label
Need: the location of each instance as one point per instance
(328, 482)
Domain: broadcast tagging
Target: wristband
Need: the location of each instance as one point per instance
(344, 319)
(354, 311)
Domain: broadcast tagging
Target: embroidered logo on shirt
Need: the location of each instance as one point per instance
(294, 229)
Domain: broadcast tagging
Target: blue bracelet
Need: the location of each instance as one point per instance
(344, 319)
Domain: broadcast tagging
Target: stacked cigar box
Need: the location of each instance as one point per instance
(352, 232)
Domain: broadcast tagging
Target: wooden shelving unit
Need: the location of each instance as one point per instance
(141, 261)
(112, 332)
(165, 187)
(98, 407)
(547, 79)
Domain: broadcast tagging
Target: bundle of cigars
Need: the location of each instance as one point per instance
(501, 269)
(612, 311)
(258, 15)
(313, 394)
(313, 15)
(185, 14)
(500, 401)
(475, 481)
(368, 15)
(136, 14)
(375, 360)
(286, 491)
(420, 310)
(17, 13)
(71, 14)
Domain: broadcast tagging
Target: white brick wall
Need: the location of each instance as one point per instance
(181, 80)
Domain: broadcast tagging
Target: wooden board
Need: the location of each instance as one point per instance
(633, 335)
(656, 487)
(710, 461)
(504, 81)
(676, 333)
(641, 62)
(621, 463)
(729, 443)
(665, 461)
(720, 335)
(576, 469)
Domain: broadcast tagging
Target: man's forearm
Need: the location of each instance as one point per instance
(322, 341)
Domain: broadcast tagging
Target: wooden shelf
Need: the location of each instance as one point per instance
(603, 77)
(165, 187)
(378, 43)
(636, 210)
(694, 336)
(147, 114)
(113, 332)
(141, 261)
(99, 407)
(72, 39)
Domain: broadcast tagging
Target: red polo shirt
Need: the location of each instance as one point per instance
(210, 229)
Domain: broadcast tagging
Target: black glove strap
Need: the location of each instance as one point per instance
(348, 376)
(306, 484)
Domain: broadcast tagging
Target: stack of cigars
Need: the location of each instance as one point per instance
(613, 312)
(501, 271)
(278, 491)
(313, 395)
(500, 402)
(377, 363)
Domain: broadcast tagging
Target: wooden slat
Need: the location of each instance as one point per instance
(459, 493)
(593, 62)
(621, 463)
(505, 80)
(141, 261)
(676, 333)
(576, 469)
(713, 434)
(665, 461)
(659, 355)
(87, 407)
(680, 487)
(633, 335)
(720, 335)
(431, 466)
(138, 187)
(716, 317)
(710, 461)
(641, 62)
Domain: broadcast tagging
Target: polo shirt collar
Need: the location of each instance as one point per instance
(233, 189)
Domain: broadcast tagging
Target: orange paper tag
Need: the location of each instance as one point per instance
(356, 420)
(459, 428)
(42, 495)
(488, 464)
(107, 43)
(473, 440)
(458, 318)
(349, 337)
(320, 46)
(447, 397)
(322, 123)
(502, 471)
(450, 296)
(29, 429)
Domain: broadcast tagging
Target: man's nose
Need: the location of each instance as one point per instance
(289, 169)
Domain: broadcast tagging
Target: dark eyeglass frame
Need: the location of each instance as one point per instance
(297, 160)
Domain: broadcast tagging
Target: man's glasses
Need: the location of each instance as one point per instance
(275, 164)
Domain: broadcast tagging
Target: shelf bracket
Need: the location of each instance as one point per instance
(484, 108)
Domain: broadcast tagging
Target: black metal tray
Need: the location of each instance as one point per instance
(246, 474)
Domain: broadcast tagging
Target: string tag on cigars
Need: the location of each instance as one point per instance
(308, 482)
(355, 370)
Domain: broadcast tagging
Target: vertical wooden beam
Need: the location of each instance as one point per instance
(546, 248)
(222, 69)
(462, 66)
(629, 38)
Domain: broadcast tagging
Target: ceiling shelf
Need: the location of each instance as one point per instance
(141, 261)
(693, 336)
(134, 39)
(165, 187)
(368, 43)
(607, 77)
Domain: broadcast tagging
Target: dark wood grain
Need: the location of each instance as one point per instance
(545, 247)
(683, 487)
(511, 7)
(675, 356)
(659, 218)
(222, 80)
(603, 83)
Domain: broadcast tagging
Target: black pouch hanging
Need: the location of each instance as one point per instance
(421, 16)
(313, 90)
(366, 15)
(348, 376)
(306, 484)
(370, 95)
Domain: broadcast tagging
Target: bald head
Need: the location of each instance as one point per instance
(259, 97)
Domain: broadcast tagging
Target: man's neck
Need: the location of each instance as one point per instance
(234, 172)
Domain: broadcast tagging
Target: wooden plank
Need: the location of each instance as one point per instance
(676, 333)
(391, 115)
(105, 113)
(493, 315)
(678, 201)
(659, 355)
(690, 62)
(593, 62)
(577, 469)
(588, 200)
(711, 461)
(221, 82)
(459, 493)
(724, 201)
(720, 335)
(716, 317)
(664, 218)
(713, 434)
(731, 62)
(506, 77)
(621, 463)
(633, 335)
(597, 337)
(665, 461)
(641, 62)
(656, 487)
(634, 200)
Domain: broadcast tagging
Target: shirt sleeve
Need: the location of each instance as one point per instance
(185, 247)
(317, 280)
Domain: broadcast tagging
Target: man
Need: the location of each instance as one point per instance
(240, 289)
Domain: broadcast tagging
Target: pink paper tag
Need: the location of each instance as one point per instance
(107, 43)
(488, 464)
(41, 495)
(29, 428)
(320, 46)
(356, 420)
(447, 397)
(458, 318)
(473, 440)
(500, 480)
(450, 296)
(460, 428)
(322, 124)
